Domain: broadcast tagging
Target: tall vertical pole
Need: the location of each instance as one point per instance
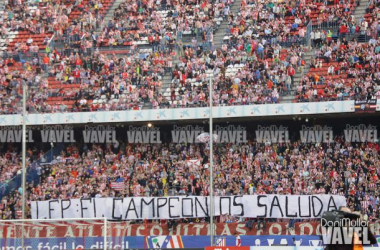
(23, 159)
(105, 234)
(211, 168)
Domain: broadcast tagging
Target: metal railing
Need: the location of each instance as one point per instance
(294, 40)
(19, 56)
(360, 37)
(322, 25)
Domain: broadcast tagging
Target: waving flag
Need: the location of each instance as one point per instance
(194, 163)
(119, 186)
(205, 137)
(238, 241)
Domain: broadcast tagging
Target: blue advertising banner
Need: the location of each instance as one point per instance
(175, 241)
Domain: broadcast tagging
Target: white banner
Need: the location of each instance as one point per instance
(179, 114)
(131, 208)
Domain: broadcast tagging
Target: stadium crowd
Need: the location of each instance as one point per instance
(342, 70)
(176, 169)
(140, 22)
(263, 50)
(256, 64)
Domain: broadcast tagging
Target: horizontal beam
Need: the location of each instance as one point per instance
(175, 114)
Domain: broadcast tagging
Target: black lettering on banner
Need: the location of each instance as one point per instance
(50, 209)
(132, 202)
(275, 205)
(81, 205)
(146, 203)
(192, 206)
(262, 205)
(200, 205)
(151, 207)
(220, 204)
(114, 207)
(170, 206)
(64, 208)
(239, 205)
(159, 205)
(37, 208)
(333, 201)
(299, 207)
(94, 208)
(313, 204)
(287, 208)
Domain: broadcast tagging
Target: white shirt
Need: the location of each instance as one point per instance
(83, 101)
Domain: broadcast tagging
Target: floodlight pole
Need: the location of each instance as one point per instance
(211, 167)
(23, 158)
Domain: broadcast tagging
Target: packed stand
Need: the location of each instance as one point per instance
(175, 169)
(29, 26)
(161, 24)
(251, 67)
(83, 83)
(332, 14)
(10, 165)
(342, 70)
(281, 22)
(250, 72)
(372, 16)
(10, 168)
(106, 82)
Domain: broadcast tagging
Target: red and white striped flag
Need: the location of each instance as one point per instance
(119, 186)
(221, 242)
(175, 242)
(238, 241)
(196, 163)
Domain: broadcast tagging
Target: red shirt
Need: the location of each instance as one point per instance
(291, 71)
(46, 60)
(76, 74)
(343, 29)
(78, 62)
